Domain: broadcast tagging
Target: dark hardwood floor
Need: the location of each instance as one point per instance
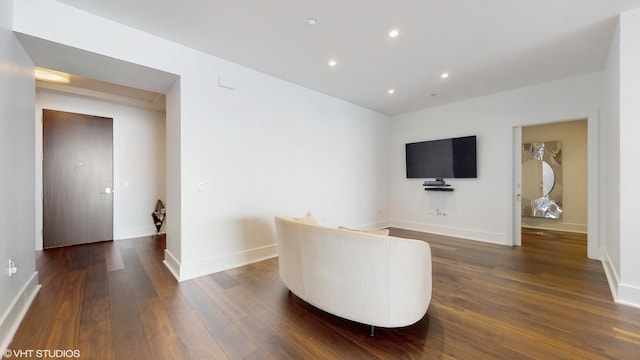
(116, 300)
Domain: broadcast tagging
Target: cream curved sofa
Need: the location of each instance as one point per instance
(378, 280)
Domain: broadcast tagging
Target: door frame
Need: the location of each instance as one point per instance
(593, 181)
(515, 194)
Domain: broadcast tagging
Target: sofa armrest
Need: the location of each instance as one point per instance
(410, 281)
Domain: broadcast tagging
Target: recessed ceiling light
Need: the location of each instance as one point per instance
(394, 33)
(332, 63)
(444, 75)
(391, 91)
(43, 74)
(312, 21)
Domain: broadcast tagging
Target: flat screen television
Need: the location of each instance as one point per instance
(442, 159)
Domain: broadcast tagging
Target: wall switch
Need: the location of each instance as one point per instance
(201, 184)
(12, 267)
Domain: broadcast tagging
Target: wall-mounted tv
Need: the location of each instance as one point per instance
(442, 159)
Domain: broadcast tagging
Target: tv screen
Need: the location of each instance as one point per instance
(440, 159)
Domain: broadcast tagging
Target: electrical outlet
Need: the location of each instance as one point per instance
(438, 212)
(12, 267)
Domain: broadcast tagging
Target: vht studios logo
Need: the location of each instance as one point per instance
(41, 353)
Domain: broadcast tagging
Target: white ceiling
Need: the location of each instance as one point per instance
(486, 46)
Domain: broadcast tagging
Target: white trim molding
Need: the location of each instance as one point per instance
(539, 224)
(610, 272)
(172, 264)
(628, 295)
(622, 293)
(484, 236)
(193, 270)
(11, 319)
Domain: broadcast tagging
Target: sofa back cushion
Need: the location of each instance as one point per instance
(307, 219)
(384, 232)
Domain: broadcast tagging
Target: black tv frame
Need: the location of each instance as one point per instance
(450, 158)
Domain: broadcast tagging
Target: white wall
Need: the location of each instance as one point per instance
(620, 192)
(268, 147)
(139, 160)
(16, 179)
(629, 289)
(173, 145)
(480, 208)
(573, 136)
(610, 164)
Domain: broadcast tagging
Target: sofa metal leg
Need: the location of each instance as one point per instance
(372, 330)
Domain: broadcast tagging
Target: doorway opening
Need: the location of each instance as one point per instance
(576, 181)
(554, 177)
(137, 156)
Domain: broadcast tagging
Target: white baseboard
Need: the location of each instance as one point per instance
(622, 293)
(172, 264)
(373, 226)
(12, 318)
(136, 232)
(611, 273)
(628, 295)
(484, 236)
(186, 271)
(533, 223)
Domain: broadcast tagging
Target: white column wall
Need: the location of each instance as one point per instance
(629, 289)
(173, 148)
(610, 164)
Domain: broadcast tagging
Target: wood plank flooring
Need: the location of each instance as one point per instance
(116, 300)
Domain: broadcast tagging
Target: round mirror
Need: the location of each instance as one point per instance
(541, 186)
(548, 178)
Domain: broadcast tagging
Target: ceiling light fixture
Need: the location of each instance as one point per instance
(394, 33)
(444, 75)
(391, 91)
(43, 74)
(332, 63)
(312, 21)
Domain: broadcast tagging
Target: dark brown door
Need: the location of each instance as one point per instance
(77, 178)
